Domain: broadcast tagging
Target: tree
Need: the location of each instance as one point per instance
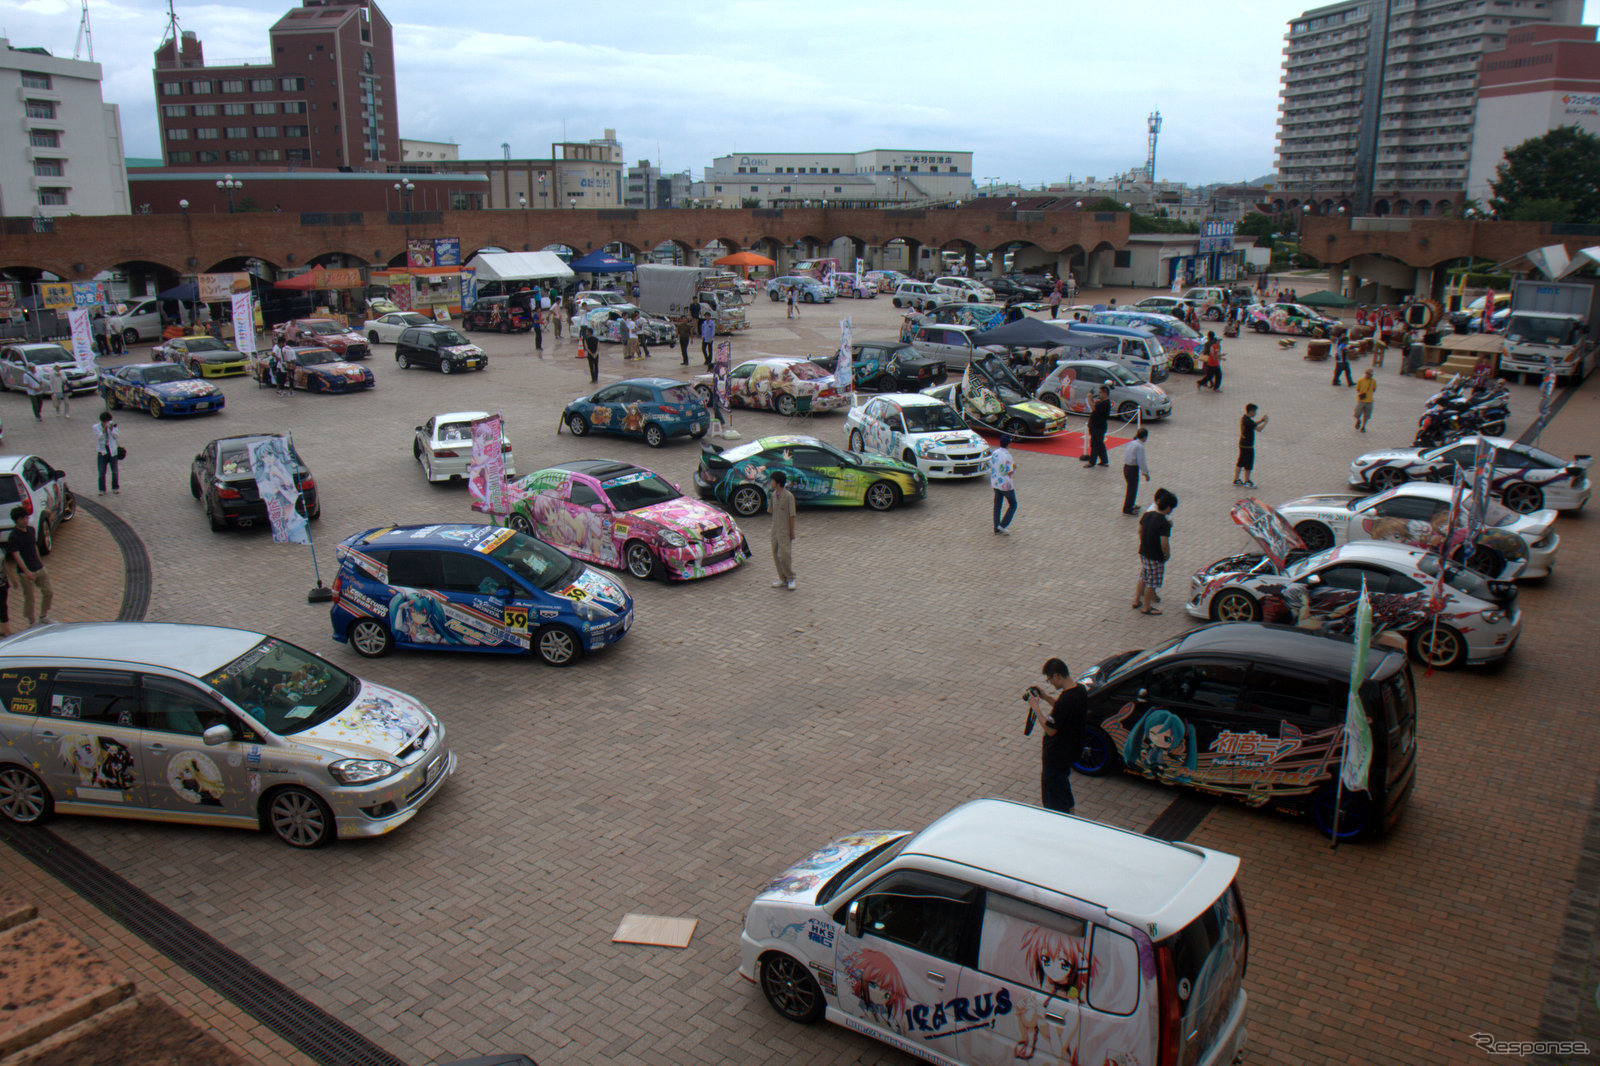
(1255, 224)
(1551, 178)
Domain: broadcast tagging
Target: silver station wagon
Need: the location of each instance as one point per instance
(190, 723)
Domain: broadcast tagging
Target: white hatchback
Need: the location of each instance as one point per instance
(967, 289)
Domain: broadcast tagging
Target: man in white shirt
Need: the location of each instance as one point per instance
(1134, 464)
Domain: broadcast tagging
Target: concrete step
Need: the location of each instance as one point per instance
(50, 980)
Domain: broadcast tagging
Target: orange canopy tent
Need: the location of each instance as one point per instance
(318, 278)
(744, 261)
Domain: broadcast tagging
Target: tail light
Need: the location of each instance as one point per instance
(228, 494)
(1244, 927)
(338, 583)
(505, 446)
(307, 485)
(26, 500)
(1169, 1012)
(446, 454)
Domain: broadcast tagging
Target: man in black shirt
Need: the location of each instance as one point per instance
(1248, 424)
(1099, 420)
(1063, 735)
(1154, 529)
(22, 559)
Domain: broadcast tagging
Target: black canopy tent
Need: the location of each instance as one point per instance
(1025, 333)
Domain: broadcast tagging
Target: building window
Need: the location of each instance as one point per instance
(30, 80)
(200, 88)
(261, 85)
(208, 134)
(716, 188)
(47, 168)
(292, 85)
(294, 131)
(266, 131)
(171, 88)
(44, 139)
(207, 157)
(268, 155)
(294, 107)
(174, 158)
(53, 197)
(838, 188)
(298, 155)
(235, 132)
(175, 111)
(755, 188)
(787, 189)
(238, 155)
(177, 134)
(232, 85)
(265, 109)
(206, 110)
(40, 109)
(235, 109)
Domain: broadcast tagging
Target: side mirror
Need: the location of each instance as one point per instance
(217, 734)
(1313, 579)
(502, 593)
(200, 458)
(598, 508)
(852, 918)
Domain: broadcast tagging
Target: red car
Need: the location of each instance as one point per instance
(342, 341)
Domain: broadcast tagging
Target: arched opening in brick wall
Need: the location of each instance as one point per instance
(142, 277)
(903, 254)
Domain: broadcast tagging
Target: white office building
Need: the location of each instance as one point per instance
(68, 158)
(878, 178)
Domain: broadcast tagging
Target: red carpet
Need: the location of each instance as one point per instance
(1072, 443)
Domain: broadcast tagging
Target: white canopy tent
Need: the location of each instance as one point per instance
(519, 266)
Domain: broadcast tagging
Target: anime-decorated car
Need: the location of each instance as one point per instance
(1477, 620)
(317, 370)
(1417, 513)
(161, 388)
(203, 356)
(1256, 712)
(807, 290)
(1072, 383)
(924, 432)
(999, 935)
(606, 321)
(818, 474)
(443, 445)
(1179, 340)
(208, 726)
(998, 403)
(655, 409)
(223, 480)
(627, 518)
(979, 315)
(343, 341)
(887, 366)
(21, 364)
(1523, 478)
(1296, 319)
(472, 588)
(781, 384)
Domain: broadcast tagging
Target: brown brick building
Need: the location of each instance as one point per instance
(324, 98)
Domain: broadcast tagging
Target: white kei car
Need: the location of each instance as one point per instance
(922, 430)
(1417, 514)
(443, 445)
(1072, 384)
(386, 329)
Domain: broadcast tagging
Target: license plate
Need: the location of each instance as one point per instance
(696, 427)
(627, 620)
(204, 405)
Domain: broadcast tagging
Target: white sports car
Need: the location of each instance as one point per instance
(1524, 478)
(1417, 514)
(386, 329)
(923, 431)
(443, 445)
(1479, 621)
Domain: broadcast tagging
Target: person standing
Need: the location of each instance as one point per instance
(640, 334)
(1099, 421)
(1212, 353)
(1155, 529)
(105, 451)
(1055, 300)
(794, 307)
(1133, 465)
(1366, 386)
(36, 387)
(782, 530)
(1341, 359)
(708, 336)
(22, 559)
(56, 381)
(536, 313)
(552, 306)
(1001, 468)
(591, 351)
(1063, 735)
(1248, 424)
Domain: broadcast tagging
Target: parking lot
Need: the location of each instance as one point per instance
(737, 727)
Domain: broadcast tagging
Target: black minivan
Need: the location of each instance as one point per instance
(1256, 712)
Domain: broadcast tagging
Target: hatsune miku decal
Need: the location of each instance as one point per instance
(1161, 745)
(195, 779)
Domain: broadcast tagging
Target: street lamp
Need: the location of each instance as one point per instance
(541, 191)
(405, 188)
(1078, 205)
(183, 205)
(229, 184)
(522, 201)
(572, 202)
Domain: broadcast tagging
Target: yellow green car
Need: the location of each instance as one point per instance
(818, 474)
(203, 356)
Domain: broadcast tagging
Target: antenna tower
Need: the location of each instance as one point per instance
(1154, 123)
(172, 25)
(85, 36)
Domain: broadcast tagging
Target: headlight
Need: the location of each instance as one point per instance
(590, 611)
(361, 771)
(1493, 617)
(673, 538)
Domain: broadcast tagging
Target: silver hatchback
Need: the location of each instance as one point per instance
(210, 726)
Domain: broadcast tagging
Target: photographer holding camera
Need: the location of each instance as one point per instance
(1063, 733)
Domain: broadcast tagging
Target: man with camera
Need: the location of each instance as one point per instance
(1063, 733)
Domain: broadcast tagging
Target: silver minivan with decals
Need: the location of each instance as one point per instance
(209, 726)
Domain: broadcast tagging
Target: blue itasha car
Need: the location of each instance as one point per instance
(656, 409)
(472, 588)
(160, 388)
(806, 290)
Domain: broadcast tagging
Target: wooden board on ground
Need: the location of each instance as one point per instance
(660, 932)
(1472, 342)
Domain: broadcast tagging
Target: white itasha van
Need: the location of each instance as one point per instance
(1005, 933)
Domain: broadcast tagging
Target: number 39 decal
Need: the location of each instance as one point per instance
(516, 618)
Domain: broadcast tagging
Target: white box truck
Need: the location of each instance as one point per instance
(668, 290)
(1552, 324)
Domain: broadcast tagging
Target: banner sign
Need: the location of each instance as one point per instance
(220, 288)
(843, 376)
(273, 467)
(82, 342)
(447, 251)
(10, 294)
(419, 252)
(56, 295)
(1357, 758)
(719, 374)
(486, 474)
(469, 287)
(244, 322)
(88, 293)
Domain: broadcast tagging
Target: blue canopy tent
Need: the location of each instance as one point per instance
(599, 262)
(183, 290)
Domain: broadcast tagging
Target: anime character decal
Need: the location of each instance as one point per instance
(101, 763)
(195, 779)
(1161, 745)
(418, 617)
(879, 990)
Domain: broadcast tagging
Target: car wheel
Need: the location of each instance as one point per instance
(641, 561)
(577, 425)
(881, 496)
(46, 537)
(1486, 561)
(130, 337)
(217, 523)
(790, 988)
(774, 297)
(1182, 364)
(1098, 754)
(897, 301)
(748, 500)
(909, 458)
(1127, 410)
(1439, 647)
(1013, 427)
(1261, 327)
(446, 367)
(24, 799)
(372, 337)
(696, 434)
(416, 449)
(519, 522)
(194, 485)
(299, 818)
(809, 298)
(155, 408)
(1215, 314)
(654, 435)
(784, 403)
(116, 404)
(370, 638)
(1355, 812)
(1235, 606)
(402, 361)
(857, 443)
(1522, 497)
(557, 645)
(1050, 398)
(1317, 536)
(1385, 478)
(704, 392)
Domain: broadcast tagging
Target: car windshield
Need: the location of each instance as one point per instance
(204, 344)
(1298, 570)
(314, 356)
(629, 492)
(1531, 330)
(679, 394)
(534, 561)
(1121, 375)
(322, 327)
(1179, 329)
(413, 319)
(450, 338)
(808, 372)
(233, 457)
(47, 353)
(863, 865)
(285, 688)
(1457, 577)
(931, 418)
(166, 372)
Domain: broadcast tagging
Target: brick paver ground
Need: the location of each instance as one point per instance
(737, 726)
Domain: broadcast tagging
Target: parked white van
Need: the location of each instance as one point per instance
(1004, 932)
(917, 295)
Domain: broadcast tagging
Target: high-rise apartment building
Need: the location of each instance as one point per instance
(324, 98)
(68, 158)
(1379, 98)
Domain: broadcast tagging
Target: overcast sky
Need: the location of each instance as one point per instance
(1036, 91)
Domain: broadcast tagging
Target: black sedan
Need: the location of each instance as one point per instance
(221, 479)
(1010, 287)
(888, 366)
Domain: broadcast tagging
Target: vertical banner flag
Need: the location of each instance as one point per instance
(273, 466)
(1488, 309)
(1482, 468)
(1547, 392)
(244, 323)
(843, 374)
(861, 269)
(82, 342)
(1436, 596)
(719, 375)
(1357, 733)
(486, 474)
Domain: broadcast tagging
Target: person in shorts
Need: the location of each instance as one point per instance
(1154, 530)
(1248, 424)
